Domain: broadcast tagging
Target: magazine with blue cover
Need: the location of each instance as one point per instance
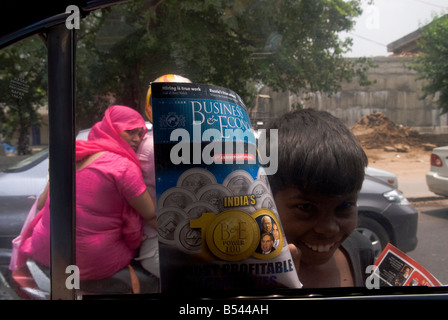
(217, 221)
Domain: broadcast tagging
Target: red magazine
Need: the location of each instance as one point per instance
(395, 268)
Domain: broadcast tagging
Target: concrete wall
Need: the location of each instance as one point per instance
(396, 93)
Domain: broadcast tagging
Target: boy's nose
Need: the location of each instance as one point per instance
(327, 226)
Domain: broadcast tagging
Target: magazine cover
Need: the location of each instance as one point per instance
(395, 268)
(217, 221)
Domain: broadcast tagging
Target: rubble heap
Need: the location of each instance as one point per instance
(376, 130)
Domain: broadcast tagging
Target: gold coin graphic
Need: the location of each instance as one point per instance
(233, 235)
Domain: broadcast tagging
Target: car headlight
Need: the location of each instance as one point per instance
(396, 196)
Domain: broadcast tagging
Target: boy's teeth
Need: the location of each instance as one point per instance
(320, 248)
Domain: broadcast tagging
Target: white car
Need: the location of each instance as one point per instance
(25, 178)
(437, 177)
(384, 175)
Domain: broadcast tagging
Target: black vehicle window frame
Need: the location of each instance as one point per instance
(61, 50)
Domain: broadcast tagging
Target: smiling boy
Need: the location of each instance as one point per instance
(320, 172)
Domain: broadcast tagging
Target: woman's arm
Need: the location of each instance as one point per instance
(43, 197)
(145, 206)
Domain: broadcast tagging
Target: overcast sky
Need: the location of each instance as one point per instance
(388, 20)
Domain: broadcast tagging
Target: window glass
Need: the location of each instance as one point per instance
(24, 142)
(278, 56)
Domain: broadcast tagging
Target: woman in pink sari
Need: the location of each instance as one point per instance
(112, 201)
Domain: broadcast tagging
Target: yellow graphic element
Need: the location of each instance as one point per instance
(239, 201)
(278, 236)
(234, 235)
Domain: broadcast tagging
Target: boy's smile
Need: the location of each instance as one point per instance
(317, 225)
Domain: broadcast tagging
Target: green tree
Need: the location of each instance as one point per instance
(239, 44)
(432, 62)
(22, 89)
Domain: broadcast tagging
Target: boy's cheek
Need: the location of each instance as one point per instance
(293, 228)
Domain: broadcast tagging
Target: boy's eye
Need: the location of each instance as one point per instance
(304, 206)
(347, 205)
(303, 210)
(346, 209)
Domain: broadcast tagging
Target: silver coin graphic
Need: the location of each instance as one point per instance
(262, 176)
(267, 202)
(259, 189)
(167, 221)
(196, 209)
(195, 178)
(214, 195)
(187, 239)
(238, 182)
(176, 197)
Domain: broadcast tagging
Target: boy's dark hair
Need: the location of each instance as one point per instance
(317, 154)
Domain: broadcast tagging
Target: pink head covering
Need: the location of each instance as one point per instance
(105, 134)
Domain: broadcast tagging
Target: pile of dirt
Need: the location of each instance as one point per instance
(376, 130)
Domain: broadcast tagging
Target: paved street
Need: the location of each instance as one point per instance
(431, 251)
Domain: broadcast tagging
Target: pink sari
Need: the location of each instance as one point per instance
(104, 136)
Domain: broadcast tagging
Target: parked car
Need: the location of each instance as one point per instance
(386, 216)
(20, 184)
(386, 176)
(437, 177)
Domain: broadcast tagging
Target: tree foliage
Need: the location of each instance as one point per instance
(432, 63)
(239, 44)
(22, 89)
